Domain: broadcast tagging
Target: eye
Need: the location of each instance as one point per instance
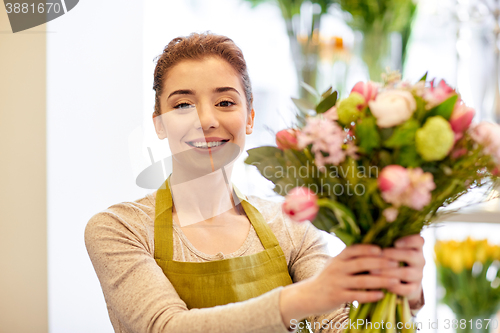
(226, 103)
(183, 106)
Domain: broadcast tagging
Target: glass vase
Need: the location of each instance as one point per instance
(379, 49)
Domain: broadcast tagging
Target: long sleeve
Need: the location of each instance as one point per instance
(140, 297)
(309, 255)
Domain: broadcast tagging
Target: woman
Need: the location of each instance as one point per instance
(199, 256)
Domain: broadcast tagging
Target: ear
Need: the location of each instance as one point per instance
(159, 128)
(249, 125)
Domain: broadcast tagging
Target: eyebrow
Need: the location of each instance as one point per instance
(192, 92)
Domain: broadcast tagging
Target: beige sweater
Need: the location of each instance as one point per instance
(140, 298)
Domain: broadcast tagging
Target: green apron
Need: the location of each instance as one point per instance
(220, 282)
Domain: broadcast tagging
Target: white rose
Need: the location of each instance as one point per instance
(393, 107)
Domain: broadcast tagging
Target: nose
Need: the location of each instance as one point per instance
(207, 117)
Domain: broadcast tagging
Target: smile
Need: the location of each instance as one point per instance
(206, 145)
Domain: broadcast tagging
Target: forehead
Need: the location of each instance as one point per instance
(206, 73)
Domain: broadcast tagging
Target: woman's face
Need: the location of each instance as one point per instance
(204, 113)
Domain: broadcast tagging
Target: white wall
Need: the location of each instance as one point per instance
(94, 100)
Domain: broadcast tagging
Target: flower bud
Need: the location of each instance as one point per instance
(301, 204)
(461, 118)
(368, 90)
(287, 139)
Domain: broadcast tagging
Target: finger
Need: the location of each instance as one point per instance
(411, 257)
(406, 274)
(404, 289)
(360, 250)
(364, 264)
(413, 242)
(364, 296)
(368, 282)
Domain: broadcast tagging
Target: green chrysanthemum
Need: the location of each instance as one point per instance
(349, 108)
(435, 139)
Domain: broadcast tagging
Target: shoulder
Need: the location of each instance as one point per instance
(128, 220)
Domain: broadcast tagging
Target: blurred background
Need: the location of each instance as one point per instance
(76, 101)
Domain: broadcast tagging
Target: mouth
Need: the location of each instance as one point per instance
(205, 144)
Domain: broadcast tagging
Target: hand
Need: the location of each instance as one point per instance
(339, 282)
(408, 250)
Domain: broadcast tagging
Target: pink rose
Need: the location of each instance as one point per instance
(368, 90)
(437, 94)
(393, 182)
(488, 135)
(301, 204)
(461, 118)
(287, 139)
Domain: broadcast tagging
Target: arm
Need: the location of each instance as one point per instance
(141, 297)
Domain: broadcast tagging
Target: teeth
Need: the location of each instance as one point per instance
(207, 145)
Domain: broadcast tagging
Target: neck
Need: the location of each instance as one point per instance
(203, 198)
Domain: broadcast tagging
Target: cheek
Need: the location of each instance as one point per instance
(236, 125)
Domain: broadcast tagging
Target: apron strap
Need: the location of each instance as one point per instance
(163, 222)
(163, 230)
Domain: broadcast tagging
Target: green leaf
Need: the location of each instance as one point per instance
(385, 158)
(344, 236)
(268, 160)
(327, 103)
(303, 105)
(408, 157)
(310, 89)
(444, 109)
(424, 78)
(326, 93)
(343, 214)
(367, 135)
(325, 220)
(420, 113)
(403, 134)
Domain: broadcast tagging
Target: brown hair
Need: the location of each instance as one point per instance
(197, 46)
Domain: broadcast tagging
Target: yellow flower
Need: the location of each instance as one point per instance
(494, 252)
(456, 261)
(482, 250)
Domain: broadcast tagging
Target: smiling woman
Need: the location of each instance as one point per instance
(197, 255)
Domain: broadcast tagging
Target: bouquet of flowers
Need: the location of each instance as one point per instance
(379, 164)
(469, 271)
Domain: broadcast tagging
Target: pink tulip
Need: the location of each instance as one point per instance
(301, 204)
(368, 90)
(461, 118)
(287, 139)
